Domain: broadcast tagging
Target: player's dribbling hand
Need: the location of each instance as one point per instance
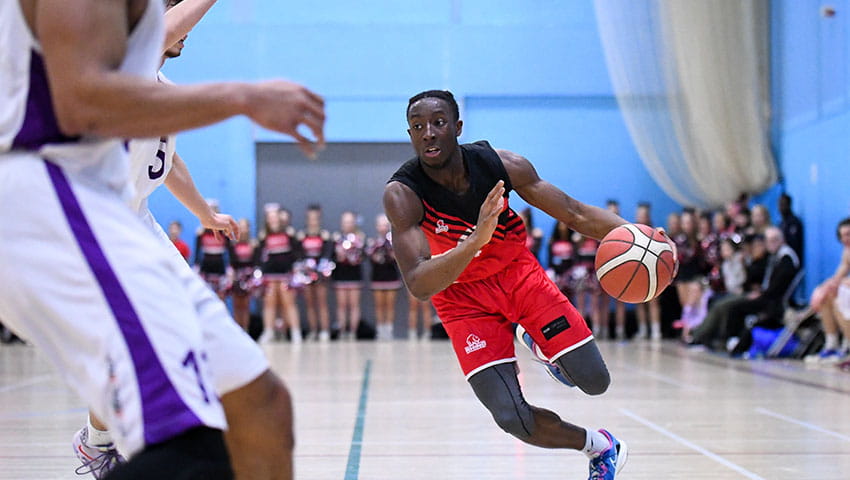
(282, 106)
(488, 214)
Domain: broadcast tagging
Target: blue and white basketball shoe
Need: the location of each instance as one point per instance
(611, 461)
(525, 340)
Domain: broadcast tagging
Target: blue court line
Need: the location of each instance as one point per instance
(352, 470)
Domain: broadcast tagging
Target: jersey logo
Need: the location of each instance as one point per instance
(441, 227)
(160, 154)
(473, 343)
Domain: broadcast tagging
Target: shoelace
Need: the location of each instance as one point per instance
(100, 465)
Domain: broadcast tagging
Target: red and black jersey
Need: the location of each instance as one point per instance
(316, 245)
(279, 251)
(242, 255)
(449, 217)
(209, 252)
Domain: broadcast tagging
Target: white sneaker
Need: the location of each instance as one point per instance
(324, 336)
(411, 334)
(295, 336)
(266, 337)
(97, 460)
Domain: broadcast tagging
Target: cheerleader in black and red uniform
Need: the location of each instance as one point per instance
(386, 278)
(585, 286)
(562, 255)
(349, 245)
(316, 251)
(245, 277)
(210, 247)
(278, 252)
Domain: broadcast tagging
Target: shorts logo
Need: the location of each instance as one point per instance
(441, 227)
(474, 343)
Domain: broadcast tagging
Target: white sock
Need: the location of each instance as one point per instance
(831, 342)
(97, 437)
(595, 443)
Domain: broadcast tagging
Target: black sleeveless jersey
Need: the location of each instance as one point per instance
(449, 218)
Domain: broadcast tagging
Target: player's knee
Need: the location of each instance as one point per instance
(596, 383)
(280, 405)
(514, 422)
(592, 379)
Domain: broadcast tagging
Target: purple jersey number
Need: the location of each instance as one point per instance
(160, 154)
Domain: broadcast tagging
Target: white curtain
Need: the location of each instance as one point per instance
(691, 79)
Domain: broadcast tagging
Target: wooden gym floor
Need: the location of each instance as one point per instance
(402, 410)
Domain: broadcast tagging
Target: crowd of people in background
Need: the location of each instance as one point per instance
(284, 263)
(738, 272)
(723, 260)
(733, 263)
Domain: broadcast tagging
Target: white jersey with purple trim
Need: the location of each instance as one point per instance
(150, 161)
(83, 279)
(27, 120)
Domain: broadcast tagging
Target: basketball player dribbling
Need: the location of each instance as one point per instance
(458, 242)
(116, 314)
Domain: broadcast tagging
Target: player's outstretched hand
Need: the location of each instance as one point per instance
(282, 106)
(488, 215)
(222, 223)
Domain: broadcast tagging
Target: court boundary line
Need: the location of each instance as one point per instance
(693, 446)
(811, 426)
(352, 468)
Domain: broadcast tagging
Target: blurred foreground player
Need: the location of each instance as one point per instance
(458, 243)
(115, 314)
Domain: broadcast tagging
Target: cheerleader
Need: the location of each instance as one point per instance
(585, 286)
(244, 281)
(278, 252)
(316, 250)
(386, 278)
(349, 245)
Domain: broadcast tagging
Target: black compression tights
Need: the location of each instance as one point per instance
(498, 389)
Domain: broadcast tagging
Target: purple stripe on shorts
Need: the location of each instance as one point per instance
(40, 126)
(164, 414)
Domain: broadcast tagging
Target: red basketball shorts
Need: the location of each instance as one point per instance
(479, 316)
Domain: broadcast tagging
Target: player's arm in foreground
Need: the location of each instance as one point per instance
(423, 274)
(182, 18)
(180, 184)
(84, 42)
(586, 219)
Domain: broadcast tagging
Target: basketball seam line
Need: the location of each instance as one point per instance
(634, 243)
(634, 273)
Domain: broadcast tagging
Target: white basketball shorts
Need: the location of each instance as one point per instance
(234, 358)
(89, 284)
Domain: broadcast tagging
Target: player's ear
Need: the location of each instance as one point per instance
(459, 127)
(410, 134)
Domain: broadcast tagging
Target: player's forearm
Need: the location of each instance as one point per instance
(593, 221)
(435, 274)
(118, 105)
(181, 19)
(179, 182)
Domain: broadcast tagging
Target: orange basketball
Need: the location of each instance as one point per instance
(635, 263)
